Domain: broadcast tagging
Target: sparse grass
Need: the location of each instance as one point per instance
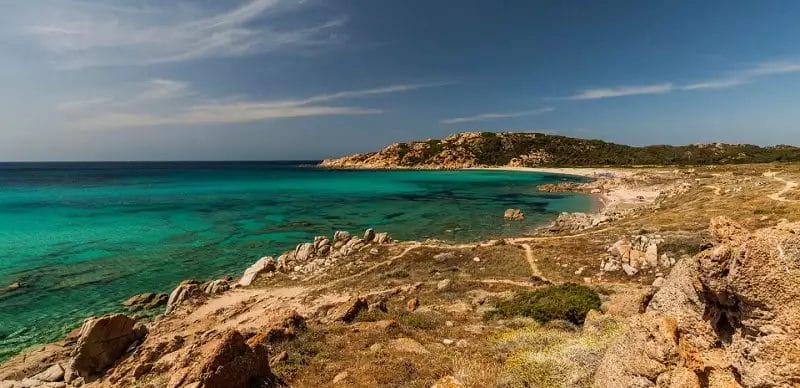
(568, 302)
(539, 356)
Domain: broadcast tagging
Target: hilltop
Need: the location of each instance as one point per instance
(481, 149)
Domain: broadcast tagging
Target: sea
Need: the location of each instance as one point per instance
(82, 237)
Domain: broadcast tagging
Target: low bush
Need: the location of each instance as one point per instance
(568, 302)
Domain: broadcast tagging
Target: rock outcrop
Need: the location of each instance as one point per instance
(725, 318)
(513, 214)
(265, 264)
(102, 341)
(234, 364)
(638, 253)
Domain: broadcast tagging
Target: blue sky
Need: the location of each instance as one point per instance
(279, 79)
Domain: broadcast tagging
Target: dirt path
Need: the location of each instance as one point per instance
(532, 263)
(788, 186)
(388, 261)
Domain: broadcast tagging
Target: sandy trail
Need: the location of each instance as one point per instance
(788, 186)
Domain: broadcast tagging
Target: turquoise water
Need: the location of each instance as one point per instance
(84, 236)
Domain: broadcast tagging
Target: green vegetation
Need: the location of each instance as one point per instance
(560, 151)
(567, 302)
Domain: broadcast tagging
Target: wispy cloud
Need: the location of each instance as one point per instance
(729, 81)
(97, 36)
(593, 94)
(495, 116)
(145, 108)
(163, 89)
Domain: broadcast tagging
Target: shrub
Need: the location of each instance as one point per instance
(568, 302)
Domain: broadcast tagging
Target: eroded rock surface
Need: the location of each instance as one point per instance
(725, 318)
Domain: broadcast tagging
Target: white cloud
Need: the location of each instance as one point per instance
(214, 114)
(147, 108)
(97, 36)
(494, 116)
(593, 94)
(163, 89)
(733, 80)
(714, 84)
(774, 68)
(77, 105)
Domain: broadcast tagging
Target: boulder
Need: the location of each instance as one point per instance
(407, 345)
(303, 252)
(348, 311)
(412, 304)
(215, 286)
(369, 235)
(573, 222)
(234, 364)
(629, 269)
(178, 295)
(263, 265)
(52, 374)
(651, 255)
(341, 236)
(102, 341)
(513, 214)
(382, 238)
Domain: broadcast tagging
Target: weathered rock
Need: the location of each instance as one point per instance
(369, 235)
(102, 341)
(513, 214)
(629, 269)
(573, 222)
(51, 374)
(412, 304)
(651, 255)
(407, 345)
(348, 311)
(263, 265)
(146, 300)
(727, 317)
(234, 364)
(443, 284)
(341, 236)
(303, 252)
(382, 238)
(215, 286)
(340, 377)
(178, 295)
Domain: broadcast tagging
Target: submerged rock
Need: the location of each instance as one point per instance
(513, 214)
(146, 300)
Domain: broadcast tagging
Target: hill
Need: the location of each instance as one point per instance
(476, 149)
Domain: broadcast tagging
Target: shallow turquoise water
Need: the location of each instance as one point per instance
(83, 237)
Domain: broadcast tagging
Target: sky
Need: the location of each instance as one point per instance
(310, 79)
